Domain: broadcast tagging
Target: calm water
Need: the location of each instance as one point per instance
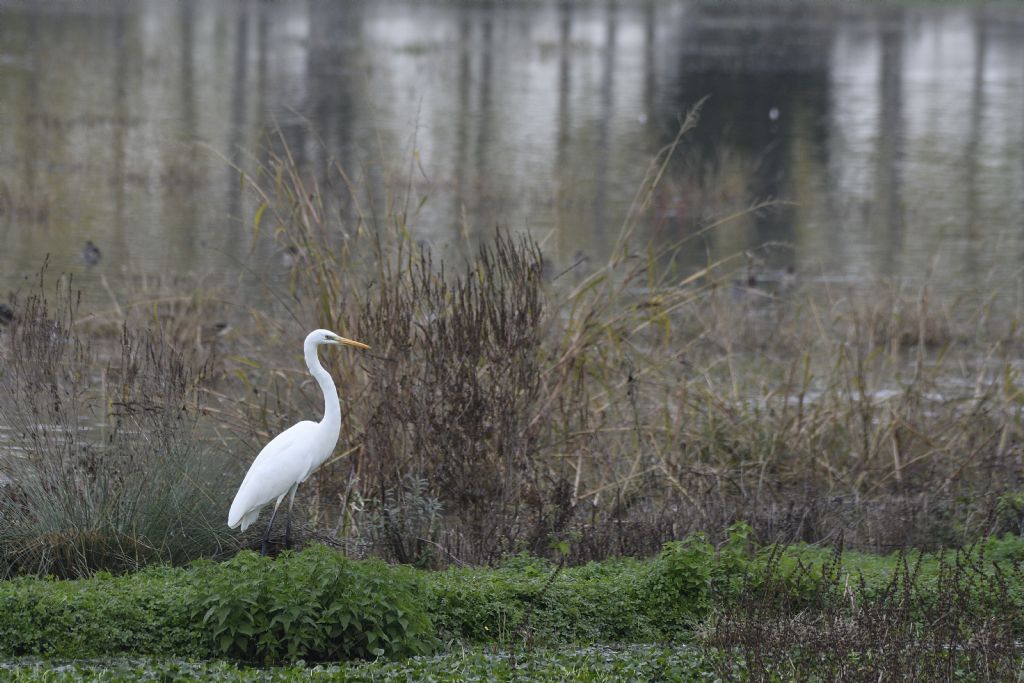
(894, 134)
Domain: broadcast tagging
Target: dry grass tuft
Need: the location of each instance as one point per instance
(104, 464)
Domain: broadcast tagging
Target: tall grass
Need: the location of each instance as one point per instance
(505, 409)
(636, 403)
(103, 459)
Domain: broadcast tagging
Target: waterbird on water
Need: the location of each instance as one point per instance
(91, 254)
(295, 453)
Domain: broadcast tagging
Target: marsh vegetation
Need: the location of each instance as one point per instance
(739, 612)
(506, 408)
(628, 409)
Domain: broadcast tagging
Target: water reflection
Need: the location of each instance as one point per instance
(894, 134)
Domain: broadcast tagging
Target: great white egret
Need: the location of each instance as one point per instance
(295, 453)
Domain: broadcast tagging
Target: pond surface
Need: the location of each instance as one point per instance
(892, 136)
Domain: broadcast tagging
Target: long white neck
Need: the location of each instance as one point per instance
(332, 408)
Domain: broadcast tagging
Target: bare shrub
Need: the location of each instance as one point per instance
(453, 397)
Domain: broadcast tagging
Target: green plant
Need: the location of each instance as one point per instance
(691, 575)
(403, 525)
(796, 606)
(142, 613)
(596, 602)
(550, 665)
(312, 605)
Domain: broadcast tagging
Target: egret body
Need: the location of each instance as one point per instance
(295, 453)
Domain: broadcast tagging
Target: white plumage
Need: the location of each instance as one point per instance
(295, 453)
(283, 463)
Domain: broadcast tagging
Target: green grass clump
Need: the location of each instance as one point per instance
(106, 464)
(689, 576)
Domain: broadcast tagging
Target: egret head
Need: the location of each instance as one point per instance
(318, 337)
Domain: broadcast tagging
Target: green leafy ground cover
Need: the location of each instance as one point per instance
(319, 605)
(476, 664)
(693, 612)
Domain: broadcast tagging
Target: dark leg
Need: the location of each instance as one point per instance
(266, 534)
(288, 524)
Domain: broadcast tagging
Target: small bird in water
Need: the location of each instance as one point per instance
(6, 314)
(290, 255)
(788, 278)
(90, 254)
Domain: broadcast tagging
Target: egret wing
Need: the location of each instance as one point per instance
(281, 463)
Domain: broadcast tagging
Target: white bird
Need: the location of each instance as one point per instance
(295, 453)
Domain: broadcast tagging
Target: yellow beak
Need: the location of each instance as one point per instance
(350, 342)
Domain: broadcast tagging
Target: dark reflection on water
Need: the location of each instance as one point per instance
(893, 135)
